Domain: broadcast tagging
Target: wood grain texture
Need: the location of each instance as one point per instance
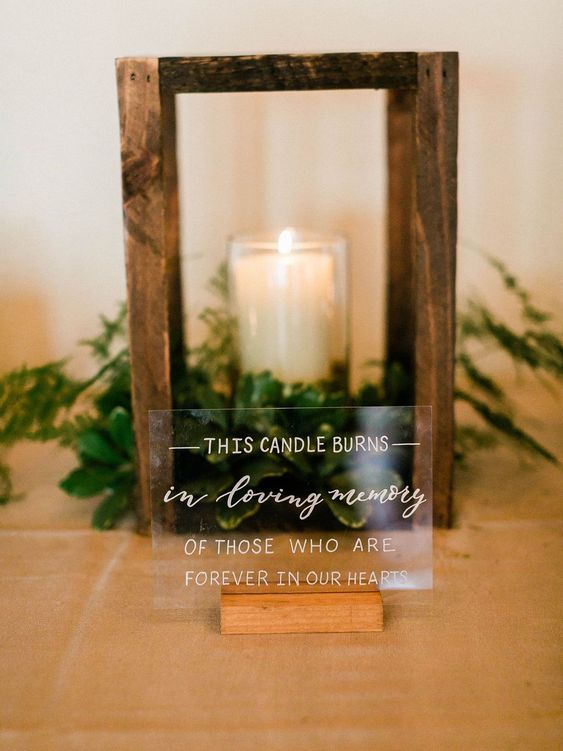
(354, 70)
(150, 213)
(291, 588)
(401, 170)
(422, 131)
(436, 128)
(300, 611)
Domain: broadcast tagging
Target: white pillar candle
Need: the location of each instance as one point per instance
(284, 307)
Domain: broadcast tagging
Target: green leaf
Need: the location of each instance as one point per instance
(206, 398)
(231, 518)
(258, 469)
(511, 283)
(211, 485)
(504, 423)
(468, 438)
(369, 395)
(85, 482)
(333, 462)
(398, 384)
(298, 463)
(551, 348)
(261, 467)
(365, 479)
(123, 479)
(6, 490)
(538, 349)
(479, 379)
(110, 510)
(117, 389)
(259, 390)
(354, 516)
(93, 445)
(305, 396)
(471, 438)
(121, 429)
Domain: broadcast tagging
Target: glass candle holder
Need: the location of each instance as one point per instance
(288, 292)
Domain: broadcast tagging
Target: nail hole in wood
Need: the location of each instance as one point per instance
(444, 74)
(132, 77)
(428, 72)
(148, 79)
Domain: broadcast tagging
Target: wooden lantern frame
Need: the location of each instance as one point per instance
(422, 122)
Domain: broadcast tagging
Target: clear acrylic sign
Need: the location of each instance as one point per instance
(278, 497)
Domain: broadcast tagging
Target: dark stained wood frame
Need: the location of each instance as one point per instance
(422, 217)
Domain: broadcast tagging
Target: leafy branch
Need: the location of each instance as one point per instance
(216, 359)
(91, 416)
(536, 346)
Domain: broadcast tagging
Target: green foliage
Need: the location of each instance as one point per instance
(113, 330)
(34, 403)
(391, 385)
(231, 518)
(114, 505)
(6, 489)
(106, 467)
(216, 360)
(536, 346)
(469, 438)
(93, 416)
(503, 422)
(357, 515)
(529, 312)
(479, 380)
(87, 481)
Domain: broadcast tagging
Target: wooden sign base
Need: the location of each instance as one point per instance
(300, 609)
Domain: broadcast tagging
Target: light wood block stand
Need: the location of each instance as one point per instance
(300, 609)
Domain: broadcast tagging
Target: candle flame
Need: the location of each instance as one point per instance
(285, 241)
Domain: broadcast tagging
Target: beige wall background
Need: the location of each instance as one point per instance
(313, 159)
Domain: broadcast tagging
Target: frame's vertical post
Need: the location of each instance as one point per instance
(150, 210)
(401, 302)
(435, 228)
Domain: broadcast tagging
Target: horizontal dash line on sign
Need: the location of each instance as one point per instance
(181, 448)
(405, 444)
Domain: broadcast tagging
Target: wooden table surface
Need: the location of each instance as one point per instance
(87, 663)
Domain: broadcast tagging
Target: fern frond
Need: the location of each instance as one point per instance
(32, 399)
(112, 330)
(511, 283)
(479, 378)
(503, 422)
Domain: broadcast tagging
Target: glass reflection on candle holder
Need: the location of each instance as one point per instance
(288, 294)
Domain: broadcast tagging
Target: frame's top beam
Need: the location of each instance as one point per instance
(343, 70)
